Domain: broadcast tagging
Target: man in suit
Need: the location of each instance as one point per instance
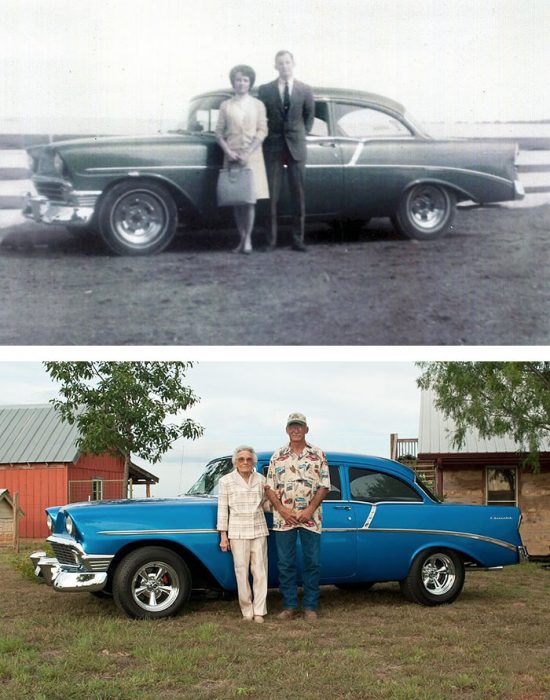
(290, 112)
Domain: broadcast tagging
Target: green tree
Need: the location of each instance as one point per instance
(125, 408)
(495, 398)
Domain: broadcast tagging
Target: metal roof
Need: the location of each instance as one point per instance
(435, 434)
(35, 433)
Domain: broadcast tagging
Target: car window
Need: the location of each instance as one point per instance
(372, 486)
(367, 122)
(203, 113)
(335, 493)
(320, 123)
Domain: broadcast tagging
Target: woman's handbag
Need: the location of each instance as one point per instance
(235, 187)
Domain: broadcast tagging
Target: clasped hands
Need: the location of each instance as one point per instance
(236, 157)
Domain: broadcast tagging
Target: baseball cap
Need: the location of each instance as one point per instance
(296, 418)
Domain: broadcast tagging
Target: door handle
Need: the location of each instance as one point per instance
(342, 507)
(327, 144)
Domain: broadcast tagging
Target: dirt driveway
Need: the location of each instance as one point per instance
(487, 282)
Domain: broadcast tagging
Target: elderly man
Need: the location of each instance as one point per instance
(297, 482)
(243, 530)
(290, 111)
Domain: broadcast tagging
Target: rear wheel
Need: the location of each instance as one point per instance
(151, 582)
(138, 218)
(435, 577)
(425, 212)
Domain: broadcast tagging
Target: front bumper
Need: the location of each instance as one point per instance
(523, 555)
(519, 190)
(77, 211)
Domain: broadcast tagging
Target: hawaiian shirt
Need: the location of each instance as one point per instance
(296, 479)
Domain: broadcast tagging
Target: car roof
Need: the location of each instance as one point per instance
(361, 461)
(329, 93)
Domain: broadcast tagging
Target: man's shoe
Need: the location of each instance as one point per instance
(310, 615)
(287, 614)
(300, 247)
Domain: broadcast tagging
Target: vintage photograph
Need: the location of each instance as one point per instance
(382, 167)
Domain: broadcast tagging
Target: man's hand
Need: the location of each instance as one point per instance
(289, 516)
(305, 515)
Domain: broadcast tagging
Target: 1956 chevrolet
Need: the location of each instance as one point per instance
(366, 157)
(380, 523)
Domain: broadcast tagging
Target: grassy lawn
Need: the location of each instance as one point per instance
(493, 642)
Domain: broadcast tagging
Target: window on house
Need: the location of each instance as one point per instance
(502, 486)
(97, 489)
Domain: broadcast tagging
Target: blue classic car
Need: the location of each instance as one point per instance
(366, 157)
(380, 523)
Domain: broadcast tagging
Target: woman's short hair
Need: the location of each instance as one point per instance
(245, 70)
(244, 448)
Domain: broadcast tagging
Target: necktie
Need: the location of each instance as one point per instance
(286, 100)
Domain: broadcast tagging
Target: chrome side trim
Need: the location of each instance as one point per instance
(370, 517)
(155, 532)
(139, 168)
(447, 533)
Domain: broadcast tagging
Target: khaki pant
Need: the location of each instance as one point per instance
(251, 556)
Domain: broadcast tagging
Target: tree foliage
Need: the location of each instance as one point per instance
(495, 398)
(125, 408)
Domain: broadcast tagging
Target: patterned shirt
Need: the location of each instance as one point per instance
(240, 511)
(296, 479)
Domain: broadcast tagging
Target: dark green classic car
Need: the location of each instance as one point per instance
(366, 158)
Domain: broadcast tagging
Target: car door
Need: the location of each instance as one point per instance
(387, 513)
(338, 539)
(372, 142)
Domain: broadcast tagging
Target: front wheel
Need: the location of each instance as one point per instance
(435, 577)
(151, 582)
(138, 218)
(425, 212)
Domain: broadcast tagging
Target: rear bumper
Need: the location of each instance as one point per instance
(523, 555)
(66, 580)
(519, 190)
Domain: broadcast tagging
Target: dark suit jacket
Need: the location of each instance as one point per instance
(298, 123)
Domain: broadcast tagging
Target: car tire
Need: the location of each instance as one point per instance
(138, 218)
(425, 212)
(435, 577)
(151, 582)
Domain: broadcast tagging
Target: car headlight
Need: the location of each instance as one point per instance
(49, 522)
(69, 525)
(59, 164)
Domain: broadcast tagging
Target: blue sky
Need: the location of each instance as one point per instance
(351, 406)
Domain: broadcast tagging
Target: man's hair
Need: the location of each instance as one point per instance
(244, 448)
(283, 52)
(245, 70)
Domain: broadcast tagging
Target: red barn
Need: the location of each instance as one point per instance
(40, 460)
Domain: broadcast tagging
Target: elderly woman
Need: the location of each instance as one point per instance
(243, 530)
(241, 128)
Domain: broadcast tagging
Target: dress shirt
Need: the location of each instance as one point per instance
(240, 511)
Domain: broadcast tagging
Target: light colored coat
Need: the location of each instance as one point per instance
(238, 123)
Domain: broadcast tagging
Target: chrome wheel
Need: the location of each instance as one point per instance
(438, 574)
(425, 212)
(155, 586)
(139, 217)
(428, 206)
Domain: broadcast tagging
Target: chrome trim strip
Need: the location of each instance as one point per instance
(138, 168)
(339, 529)
(370, 517)
(356, 154)
(449, 533)
(155, 532)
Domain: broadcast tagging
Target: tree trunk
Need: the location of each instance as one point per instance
(126, 476)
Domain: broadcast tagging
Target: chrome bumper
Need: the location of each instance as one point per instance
(523, 555)
(51, 572)
(519, 190)
(44, 211)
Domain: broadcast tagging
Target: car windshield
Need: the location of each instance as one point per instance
(207, 484)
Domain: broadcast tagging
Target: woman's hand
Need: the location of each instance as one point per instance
(232, 155)
(244, 157)
(224, 543)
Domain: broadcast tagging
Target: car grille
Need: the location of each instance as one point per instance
(64, 554)
(51, 190)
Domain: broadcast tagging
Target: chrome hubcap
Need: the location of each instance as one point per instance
(155, 586)
(438, 574)
(139, 217)
(428, 206)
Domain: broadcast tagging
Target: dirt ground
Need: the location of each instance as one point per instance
(485, 283)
